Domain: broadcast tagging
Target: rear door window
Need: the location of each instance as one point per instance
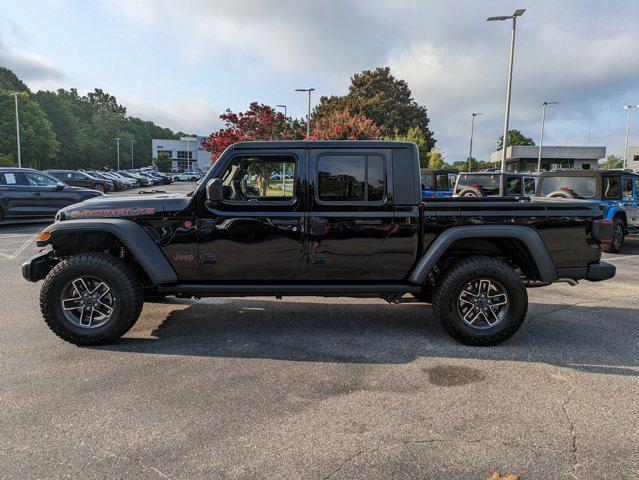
(611, 188)
(513, 185)
(626, 187)
(351, 178)
(13, 178)
(584, 187)
(489, 184)
(529, 186)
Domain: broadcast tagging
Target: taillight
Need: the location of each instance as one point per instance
(565, 189)
(602, 231)
(432, 195)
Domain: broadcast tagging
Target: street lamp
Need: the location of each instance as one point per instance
(284, 107)
(517, 13)
(308, 119)
(625, 147)
(472, 131)
(117, 140)
(15, 97)
(541, 135)
(132, 142)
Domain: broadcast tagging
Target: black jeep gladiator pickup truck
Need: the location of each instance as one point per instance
(313, 218)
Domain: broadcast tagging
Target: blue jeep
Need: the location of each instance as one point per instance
(437, 182)
(618, 190)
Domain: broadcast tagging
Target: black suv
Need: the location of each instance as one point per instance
(30, 194)
(77, 178)
(486, 184)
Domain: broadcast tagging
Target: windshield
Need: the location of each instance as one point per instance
(585, 187)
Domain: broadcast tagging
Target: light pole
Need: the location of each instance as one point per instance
(472, 131)
(15, 97)
(541, 134)
(517, 13)
(625, 146)
(284, 107)
(117, 141)
(132, 142)
(308, 119)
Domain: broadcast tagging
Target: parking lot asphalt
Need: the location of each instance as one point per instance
(314, 388)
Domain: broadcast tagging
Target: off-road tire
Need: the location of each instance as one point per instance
(471, 192)
(561, 194)
(126, 289)
(446, 297)
(616, 246)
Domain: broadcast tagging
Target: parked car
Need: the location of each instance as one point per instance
(154, 181)
(130, 182)
(185, 177)
(486, 184)
(355, 225)
(29, 194)
(143, 179)
(77, 178)
(164, 179)
(118, 184)
(139, 181)
(618, 190)
(437, 182)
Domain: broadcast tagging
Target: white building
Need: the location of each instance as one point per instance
(186, 153)
(632, 160)
(524, 159)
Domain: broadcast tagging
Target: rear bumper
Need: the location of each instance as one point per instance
(598, 271)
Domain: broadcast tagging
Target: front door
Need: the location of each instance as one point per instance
(629, 200)
(351, 215)
(257, 230)
(48, 197)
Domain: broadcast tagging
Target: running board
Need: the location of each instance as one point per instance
(280, 290)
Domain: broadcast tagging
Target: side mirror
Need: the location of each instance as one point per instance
(59, 186)
(214, 190)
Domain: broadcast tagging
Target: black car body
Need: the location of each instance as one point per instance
(78, 178)
(349, 222)
(29, 194)
(486, 184)
(118, 185)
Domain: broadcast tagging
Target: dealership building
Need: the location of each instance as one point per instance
(632, 160)
(524, 159)
(186, 153)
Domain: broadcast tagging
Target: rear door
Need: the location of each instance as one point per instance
(629, 200)
(351, 215)
(16, 197)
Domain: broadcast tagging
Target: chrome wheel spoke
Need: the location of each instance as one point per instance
(499, 299)
(103, 309)
(71, 304)
(80, 286)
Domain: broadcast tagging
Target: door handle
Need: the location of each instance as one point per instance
(37, 194)
(368, 222)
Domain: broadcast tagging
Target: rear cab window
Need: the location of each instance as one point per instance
(489, 184)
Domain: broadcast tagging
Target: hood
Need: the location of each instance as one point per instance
(130, 206)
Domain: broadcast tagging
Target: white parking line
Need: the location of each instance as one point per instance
(20, 249)
(610, 259)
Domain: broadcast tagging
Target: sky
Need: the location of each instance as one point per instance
(182, 63)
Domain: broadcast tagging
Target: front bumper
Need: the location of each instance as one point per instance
(37, 267)
(598, 271)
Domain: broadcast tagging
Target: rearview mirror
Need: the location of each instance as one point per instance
(59, 186)
(214, 190)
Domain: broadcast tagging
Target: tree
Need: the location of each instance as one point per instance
(436, 158)
(259, 122)
(612, 161)
(344, 126)
(476, 165)
(6, 160)
(515, 137)
(38, 144)
(387, 101)
(10, 82)
(416, 136)
(164, 162)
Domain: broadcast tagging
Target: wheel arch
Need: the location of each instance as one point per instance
(101, 233)
(521, 244)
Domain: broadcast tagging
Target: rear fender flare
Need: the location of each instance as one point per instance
(527, 235)
(142, 247)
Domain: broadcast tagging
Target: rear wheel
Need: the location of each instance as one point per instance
(618, 237)
(91, 299)
(481, 301)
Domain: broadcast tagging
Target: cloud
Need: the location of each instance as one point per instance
(189, 115)
(28, 66)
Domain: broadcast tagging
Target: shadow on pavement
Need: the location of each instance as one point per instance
(589, 339)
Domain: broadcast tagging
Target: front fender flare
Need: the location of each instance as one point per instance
(145, 251)
(527, 235)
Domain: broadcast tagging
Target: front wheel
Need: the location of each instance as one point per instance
(481, 301)
(618, 237)
(91, 299)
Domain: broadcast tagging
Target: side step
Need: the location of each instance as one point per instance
(280, 290)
